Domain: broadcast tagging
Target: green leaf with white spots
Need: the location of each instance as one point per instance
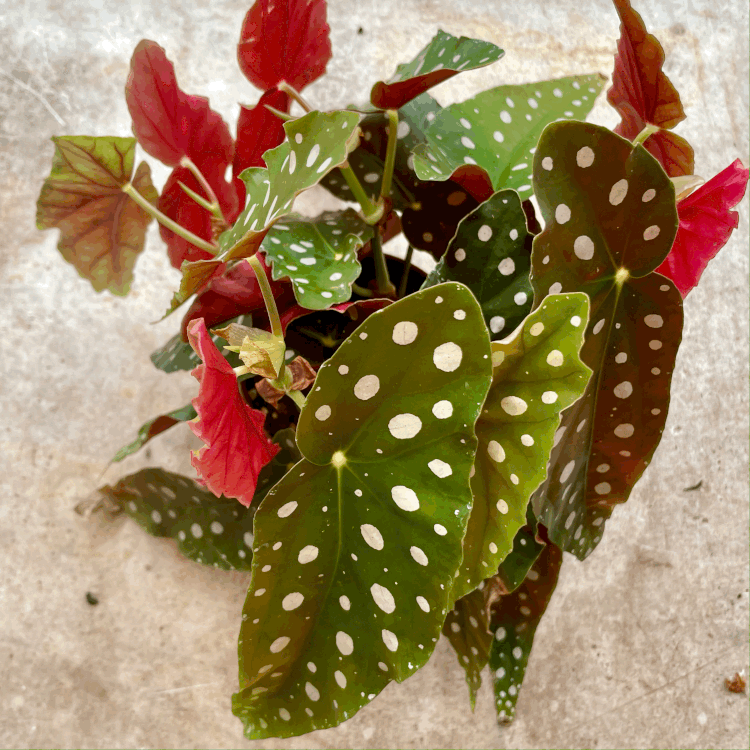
(316, 143)
(536, 373)
(488, 254)
(368, 159)
(210, 530)
(178, 355)
(319, 255)
(514, 621)
(357, 547)
(526, 549)
(610, 216)
(498, 129)
(467, 629)
(444, 57)
(155, 427)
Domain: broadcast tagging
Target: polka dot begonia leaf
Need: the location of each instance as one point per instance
(316, 143)
(488, 254)
(319, 255)
(467, 630)
(536, 373)
(498, 129)
(368, 159)
(611, 219)
(513, 622)
(155, 427)
(444, 57)
(357, 546)
(526, 549)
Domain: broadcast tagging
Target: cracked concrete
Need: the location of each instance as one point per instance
(637, 642)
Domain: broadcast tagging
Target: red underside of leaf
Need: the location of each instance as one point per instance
(284, 40)
(706, 223)
(395, 95)
(257, 131)
(237, 447)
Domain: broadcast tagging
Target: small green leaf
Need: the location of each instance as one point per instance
(154, 427)
(357, 547)
(536, 373)
(514, 621)
(441, 59)
(498, 129)
(102, 230)
(526, 549)
(488, 254)
(319, 255)
(610, 220)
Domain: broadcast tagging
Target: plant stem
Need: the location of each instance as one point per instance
(287, 89)
(373, 213)
(390, 154)
(200, 200)
(649, 130)
(265, 290)
(382, 280)
(405, 274)
(361, 291)
(281, 115)
(173, 226)
(214, 207)
(298, 397)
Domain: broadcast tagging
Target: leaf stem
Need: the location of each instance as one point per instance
(390, 154)
(265, 290)
(214, 207)
(373, 212)
(287, 89)
(382, 280)
(284, 116)
(649, 130)
(361, 291)
(200, 200)
(165, 221)
(405, 274)
(298, 397)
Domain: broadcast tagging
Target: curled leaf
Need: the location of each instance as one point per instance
(299, 375)
(237, 447)
(155, 427)
(261, 352)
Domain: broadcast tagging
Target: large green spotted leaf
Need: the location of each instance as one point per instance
(441, 59)
(467, 629)
(498, 129)
(536, 373)
(610, 217)
(155, 427)
(319, 255)
(488, 254)
(357, 547)
(368, 159)
(514, 621)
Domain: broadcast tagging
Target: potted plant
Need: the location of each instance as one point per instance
(393, 455)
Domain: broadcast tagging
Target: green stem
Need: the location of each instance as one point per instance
(281, 115)
(287, 89)
(213, 206)
(173, 226)
(405, 274)
(265, 290)
(298, 397)
(382, 280)
(200, 200)
(649, 130)
(361, 291)
(373, 213)
(390, 154)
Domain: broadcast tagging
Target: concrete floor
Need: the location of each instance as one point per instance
(637, 642)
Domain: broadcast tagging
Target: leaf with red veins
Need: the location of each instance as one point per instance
(643, 94)
(258, 130)
(706, 223)
(237, 292)
(236, 446)
(284, 40)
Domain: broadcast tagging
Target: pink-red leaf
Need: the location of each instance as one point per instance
(236, 446)
(643, 94)
(258, 130)
(284, 40)
(706, 223)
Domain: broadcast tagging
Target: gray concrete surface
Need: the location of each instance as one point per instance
(638, 640)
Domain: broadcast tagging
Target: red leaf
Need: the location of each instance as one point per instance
(236, 293)
(257, 131)
(706, 223)
(284, 40)
(236, 446)
(642, 93)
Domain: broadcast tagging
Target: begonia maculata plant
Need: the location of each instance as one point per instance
(393, 454)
